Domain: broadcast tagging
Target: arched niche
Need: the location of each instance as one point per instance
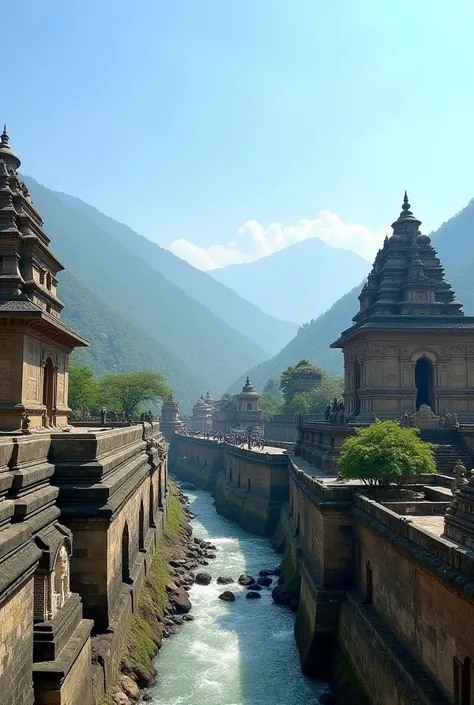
(424, 382)
(51, 579)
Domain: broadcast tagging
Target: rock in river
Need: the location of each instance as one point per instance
(252, 595)
(221, 580)
(266, 581)
(203, 579)
(281, 595)
(246, 580)
(227, 596)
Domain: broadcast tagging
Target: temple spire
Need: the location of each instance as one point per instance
(6, 153)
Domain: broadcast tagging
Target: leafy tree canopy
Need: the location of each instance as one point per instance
(385, 453)
(125, 392)
(272, 388)
(299, 379)
(83, 388)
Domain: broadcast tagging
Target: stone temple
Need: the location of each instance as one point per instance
(34, 342)
(411, 344)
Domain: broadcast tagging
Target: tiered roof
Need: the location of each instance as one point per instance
(28, 267)
(406, 287)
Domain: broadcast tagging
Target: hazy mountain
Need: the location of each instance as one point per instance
(268, 332)
(124, 293)
(454, 242)
(298, 283)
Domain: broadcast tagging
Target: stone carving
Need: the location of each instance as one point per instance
(337, 413)
(406, 419)
(449, 420)
(425, 418)
(25, 424)
(103, 416)
(61, 590)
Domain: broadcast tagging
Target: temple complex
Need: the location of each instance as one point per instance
(35, 343)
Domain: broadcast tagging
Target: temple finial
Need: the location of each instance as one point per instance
(406, 206)
(5, 137)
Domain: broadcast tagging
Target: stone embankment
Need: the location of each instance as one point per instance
(163, 603)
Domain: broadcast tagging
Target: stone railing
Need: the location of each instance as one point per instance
(436, 554)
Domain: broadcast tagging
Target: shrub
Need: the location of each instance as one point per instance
(385, 453)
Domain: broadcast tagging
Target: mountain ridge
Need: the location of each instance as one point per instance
(335, 270)
(269, 332)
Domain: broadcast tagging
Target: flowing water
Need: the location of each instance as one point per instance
(238, 653)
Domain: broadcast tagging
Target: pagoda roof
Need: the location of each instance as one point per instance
(40, 319)
(406, 287)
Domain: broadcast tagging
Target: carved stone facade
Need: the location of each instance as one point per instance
(410, 344)
(34, 342)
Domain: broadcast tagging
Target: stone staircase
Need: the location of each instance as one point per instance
(449, 447)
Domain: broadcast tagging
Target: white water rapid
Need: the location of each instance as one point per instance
(238, 653)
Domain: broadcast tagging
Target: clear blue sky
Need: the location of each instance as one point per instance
(185, 118)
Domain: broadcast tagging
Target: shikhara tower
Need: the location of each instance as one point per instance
(34, 343)
(411, 343)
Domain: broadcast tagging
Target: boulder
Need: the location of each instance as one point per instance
(227, 596)
(129, 687)
(211, 556)
(264, 573)
(180, 601)
(254, 586)
(252, 595)
(266, 581)
(246, 580)
(281, 596)
(178, 563)
(120, 698)
(221, 580)
(203, 579)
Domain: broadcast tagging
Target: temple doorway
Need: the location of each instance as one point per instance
(356, 409)
(424, 382)
(48, 391)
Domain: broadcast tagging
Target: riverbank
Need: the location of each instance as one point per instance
(233, 653)
(163, 604)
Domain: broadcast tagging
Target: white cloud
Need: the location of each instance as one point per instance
(254, 241)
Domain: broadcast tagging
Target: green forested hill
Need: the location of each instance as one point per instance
(124, 293)
(117, 345)
(454, 242)
(268, 332)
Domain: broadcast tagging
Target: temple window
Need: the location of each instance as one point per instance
(249, 407)
(462, 681)
(141, 528)
(151, 506)
(48, 281)
(125, 554)
(369, 584)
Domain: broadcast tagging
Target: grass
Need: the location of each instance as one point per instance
(145, 633)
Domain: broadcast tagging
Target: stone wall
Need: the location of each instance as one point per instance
(16, 646)
(249, 486)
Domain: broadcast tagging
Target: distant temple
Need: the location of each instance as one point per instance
(241, 413)
(34, 343)
(170, 421)
(201, 419)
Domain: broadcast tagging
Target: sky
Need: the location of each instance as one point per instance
(228, 129)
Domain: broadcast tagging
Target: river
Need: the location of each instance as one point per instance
(240, 653)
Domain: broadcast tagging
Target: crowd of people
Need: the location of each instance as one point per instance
(239, 439)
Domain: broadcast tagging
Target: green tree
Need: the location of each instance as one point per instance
(271, 406)
(299, 379)
(125, 392)
(83, 388)
(385, 453)
(272, 388)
